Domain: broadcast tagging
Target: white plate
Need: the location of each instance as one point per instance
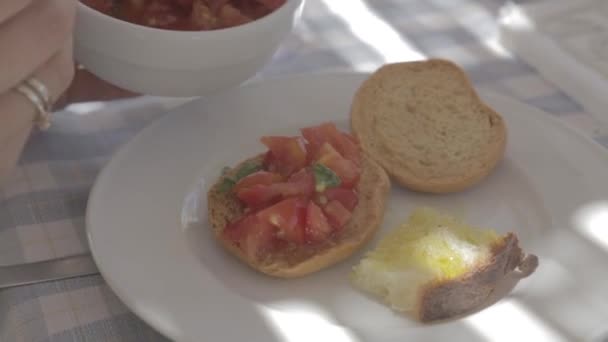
(154, 248)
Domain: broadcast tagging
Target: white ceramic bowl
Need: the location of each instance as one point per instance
(179, 63)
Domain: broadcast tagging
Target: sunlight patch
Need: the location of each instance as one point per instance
(510, 321)
(373, 31)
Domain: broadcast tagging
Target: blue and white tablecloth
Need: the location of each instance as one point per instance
(42, 206)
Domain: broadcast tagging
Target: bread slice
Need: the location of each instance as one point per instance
(437, 267)
(444, 299)
(425, 124)
(367, 217)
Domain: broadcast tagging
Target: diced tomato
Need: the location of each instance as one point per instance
(288, 154)
(259, 195)
(347, 197)
(186, 4)
(264, 189)
(320, 199)
(337, 215)
(289, 216)
(346, 169)
(101, 5)
(344, 143)
(317, 228)
(347, 147)
(316, 136)
(268, 161)
(159, 14)
(260, 177)
(351, 138)
(290, 189)
(214, 5)
(260, 239)
(235, 230)
(300, 183)
(252, 235)
(231, 16)
(202, 16)
(302, 176)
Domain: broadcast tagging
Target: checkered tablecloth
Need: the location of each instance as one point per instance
(43, 205)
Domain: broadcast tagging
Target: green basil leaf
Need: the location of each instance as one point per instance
(227, 184)
(324, 177)
(244, 171)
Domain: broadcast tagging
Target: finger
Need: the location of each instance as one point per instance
(17, 113)
(58, 72)
(8, 8)
(32, 37)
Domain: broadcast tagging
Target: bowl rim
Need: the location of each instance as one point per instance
(288, 7)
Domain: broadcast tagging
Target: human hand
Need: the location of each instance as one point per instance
(35, 41)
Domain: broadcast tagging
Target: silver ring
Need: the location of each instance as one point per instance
(37, 93)
(42, 90)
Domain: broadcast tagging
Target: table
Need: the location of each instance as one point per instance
(42, 206)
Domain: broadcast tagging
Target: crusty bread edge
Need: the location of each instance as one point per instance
(444, 299)
(443, 185)
(373, 194)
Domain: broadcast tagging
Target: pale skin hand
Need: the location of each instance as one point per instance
(36, 40)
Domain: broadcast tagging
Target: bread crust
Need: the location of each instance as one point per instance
(373, 188)
(363, 116)
(444, 299)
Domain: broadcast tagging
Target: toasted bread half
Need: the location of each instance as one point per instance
(444, 299)
(367, 217)
(426, 126)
